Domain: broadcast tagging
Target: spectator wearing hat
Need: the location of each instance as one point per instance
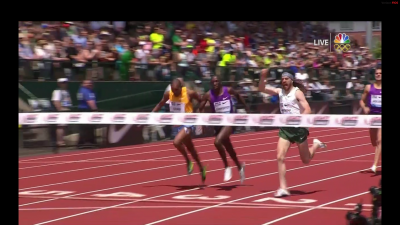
(141, 55)
(61, 101)
(354, 88)
(211, 43)
(199, 88)
(86, 103)
(185, 57)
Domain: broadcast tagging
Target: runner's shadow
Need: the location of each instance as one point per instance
(229, 187)
(298, 192)
(378, 173)
(180, 187)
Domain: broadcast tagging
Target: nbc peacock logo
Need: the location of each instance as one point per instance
(342, 43)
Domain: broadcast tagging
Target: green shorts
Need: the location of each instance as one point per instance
(294, 134)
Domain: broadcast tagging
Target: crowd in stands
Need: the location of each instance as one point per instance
(149, 51)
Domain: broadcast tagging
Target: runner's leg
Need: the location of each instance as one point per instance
(283, 147)
(306, 154)
(223, 137)
(220, 147)
(178, 143)
(375, 135)
(188, 142)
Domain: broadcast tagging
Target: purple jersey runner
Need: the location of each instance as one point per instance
(375, 100)
(221, 103)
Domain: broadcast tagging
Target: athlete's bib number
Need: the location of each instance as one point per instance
(177, 107)
(376, 101)
(222, 106)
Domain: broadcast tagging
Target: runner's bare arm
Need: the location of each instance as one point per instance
(204, 101)
(194, 95)
(239, 98)
(164, 99)
(363, 99)
(303, 102)
(261, 85)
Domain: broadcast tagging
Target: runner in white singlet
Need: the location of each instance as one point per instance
(291, 101)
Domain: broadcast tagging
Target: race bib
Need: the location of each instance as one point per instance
(376, 101)
(222, 106)
(177, 107)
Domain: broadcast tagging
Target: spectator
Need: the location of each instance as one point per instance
(233, 49)
(61, 100)
(126, 60)
(177, 42)
(141, 56)
(41, 53)
(157, 39)
(354, 88)
(164, 71)
(86, 103)
(302, 75)
(199, 87)
(315, 87)
(183, 61)
(80, 38)
(327, 89)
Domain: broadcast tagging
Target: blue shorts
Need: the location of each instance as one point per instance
(177, 129)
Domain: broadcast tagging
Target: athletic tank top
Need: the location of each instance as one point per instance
(375, 100)
(221, 103)
(180, 104)
(288, 103)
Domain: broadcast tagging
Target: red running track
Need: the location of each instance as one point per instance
(147, 184)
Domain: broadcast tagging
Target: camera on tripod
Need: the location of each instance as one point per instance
(355, 217)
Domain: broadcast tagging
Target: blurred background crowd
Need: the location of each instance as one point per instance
(194, 50)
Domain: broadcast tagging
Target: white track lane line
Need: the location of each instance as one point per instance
(155, 159)
(192, 206)
(165, 150)
(209, 207)
(186, 202)
(94, 151)
(252, 196)
(197, 140)
(315, 207)
(169, 178)
(168, 160)
(163, 167)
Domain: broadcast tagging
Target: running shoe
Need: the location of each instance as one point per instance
(190, 167)
(241, 173)
(320, 144)
(228, 174)
(203, 174)
(281, 193)
(373, 168)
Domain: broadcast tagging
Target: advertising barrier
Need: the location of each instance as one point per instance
(204, 119)
(123, 129)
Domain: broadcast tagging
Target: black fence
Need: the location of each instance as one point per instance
(155, 71)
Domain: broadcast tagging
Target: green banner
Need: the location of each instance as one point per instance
(111, 96)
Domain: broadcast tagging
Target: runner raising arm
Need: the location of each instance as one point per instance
(275, 91)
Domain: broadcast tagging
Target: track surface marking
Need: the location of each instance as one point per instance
(80, 187)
